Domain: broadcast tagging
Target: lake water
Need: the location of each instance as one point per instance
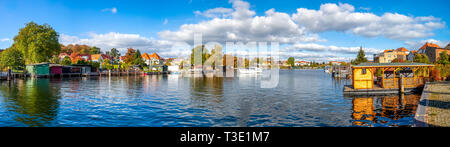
(302, 98)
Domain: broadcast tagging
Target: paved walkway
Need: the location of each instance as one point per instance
(434, 107)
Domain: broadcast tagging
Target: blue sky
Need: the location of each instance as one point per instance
(154, 25)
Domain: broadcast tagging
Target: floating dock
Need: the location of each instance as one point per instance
(388, 78)
(376, 90)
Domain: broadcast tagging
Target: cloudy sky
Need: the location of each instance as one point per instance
(307, 30)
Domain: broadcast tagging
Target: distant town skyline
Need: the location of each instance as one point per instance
(307, 30)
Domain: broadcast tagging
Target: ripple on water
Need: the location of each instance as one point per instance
(302, 98)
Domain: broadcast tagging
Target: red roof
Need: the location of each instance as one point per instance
(429, 45)
(154, 55)
(148, 57)
(402, 49)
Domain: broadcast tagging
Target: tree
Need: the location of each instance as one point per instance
(12, 58)
(129, 56)
(37, 43)
(94, 64)
(361, 58)
(138, 59)
(421, 58)
(246, 63)
(66, 61)
(74, 57)
(81, 62)
(114, 53)
(398, 60)
(235, 62)
(201, 50)
(291, 61)
(94, 50)
(55, 59)
(443, 58)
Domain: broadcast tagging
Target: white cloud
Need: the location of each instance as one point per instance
(312, 47)
(364, 8)
(216, 12)
(317, 57)
(241, 24)
(112, 10)
(4, 39)
(343, 18)
(417, 44)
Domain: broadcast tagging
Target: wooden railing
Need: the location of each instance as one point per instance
(408, 82)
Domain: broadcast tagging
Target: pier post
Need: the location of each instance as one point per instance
(402, 86)
(8, 76)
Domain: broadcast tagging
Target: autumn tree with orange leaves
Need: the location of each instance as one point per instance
(129, 56)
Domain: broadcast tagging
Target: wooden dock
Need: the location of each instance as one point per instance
(377, 90)
(156, 73)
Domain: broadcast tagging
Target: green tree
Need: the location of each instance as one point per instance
(114, 53)
(94, 50)
(235, 62)
(443, 58)
(37, 43)
(246, 63)
(421, 58)
(66, 61)
(291, 61)
(12, 58)
(361, 58)
(202, 50)
(81, 62)
(94, 64)
(55, 59)
(138, 59)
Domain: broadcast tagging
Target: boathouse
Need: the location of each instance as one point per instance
(383, 77)
(55, 69)
(38, 70)
(85, 69)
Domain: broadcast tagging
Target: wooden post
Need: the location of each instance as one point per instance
(8, 75)
(394, 76)
(414, 76)
(382, 77)
(402, 88)
(353, 77)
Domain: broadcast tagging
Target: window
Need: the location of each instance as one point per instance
(364, 71)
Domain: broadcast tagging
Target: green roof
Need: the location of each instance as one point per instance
(43, 63)
(391, 64)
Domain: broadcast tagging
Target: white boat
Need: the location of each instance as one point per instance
(252, 70)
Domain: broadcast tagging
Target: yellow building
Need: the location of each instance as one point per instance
(390, 55)
(388, 76)
(362, 78)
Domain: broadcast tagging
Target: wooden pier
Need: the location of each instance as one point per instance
(378, 78)
(377, 90)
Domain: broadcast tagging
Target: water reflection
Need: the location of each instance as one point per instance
(208, 89)
(31, 102)
(302, 98)
(393, 110)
